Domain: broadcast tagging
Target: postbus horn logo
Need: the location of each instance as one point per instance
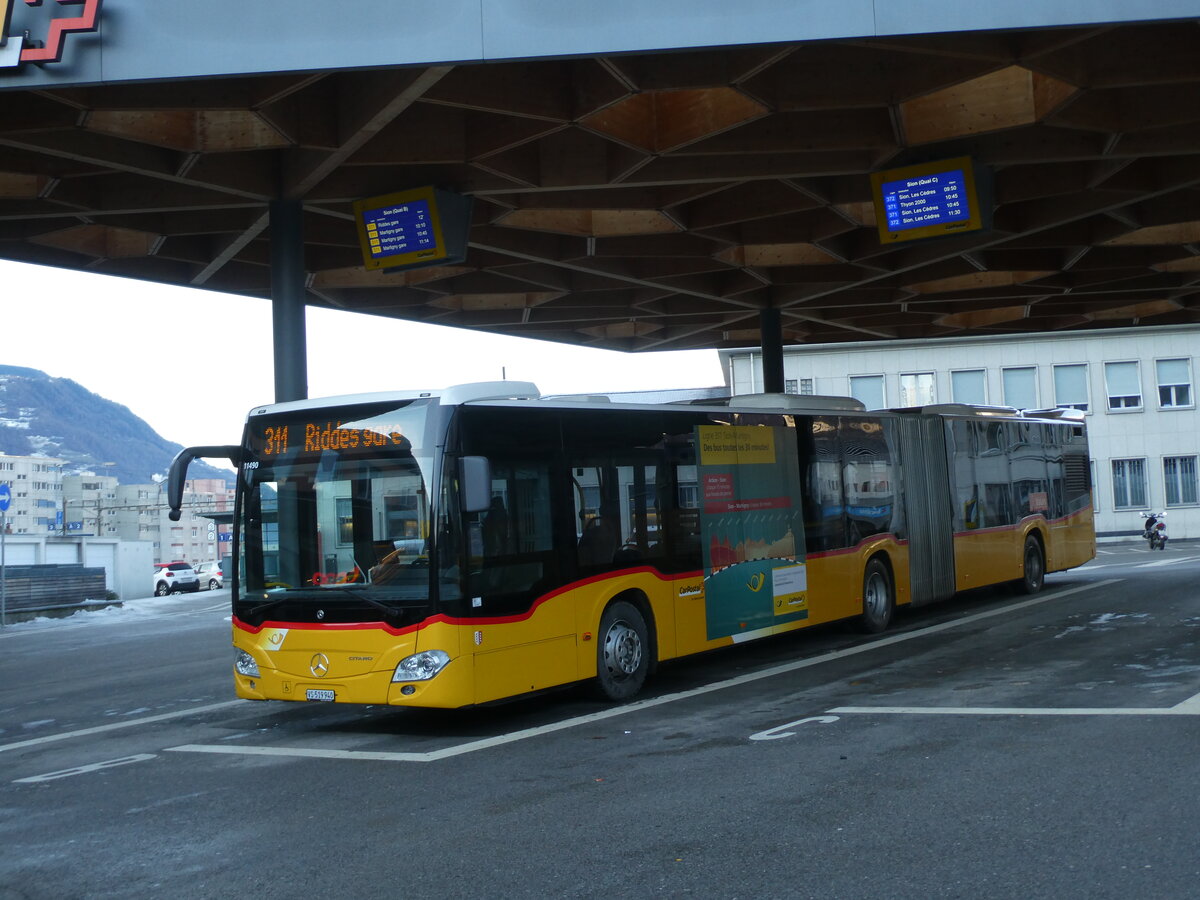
(13, 51)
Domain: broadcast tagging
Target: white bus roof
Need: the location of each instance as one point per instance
(451, 396)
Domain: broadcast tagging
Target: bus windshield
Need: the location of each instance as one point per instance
(335, 507)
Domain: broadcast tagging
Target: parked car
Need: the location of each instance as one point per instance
(173, 578)
(210, 575)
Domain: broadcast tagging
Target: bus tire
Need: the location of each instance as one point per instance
(623, 652)
(1033, 566)
(879, 601)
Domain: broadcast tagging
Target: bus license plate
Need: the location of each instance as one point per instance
(320, 695)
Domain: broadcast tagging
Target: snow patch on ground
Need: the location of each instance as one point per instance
(129, 609)
(1104, 622)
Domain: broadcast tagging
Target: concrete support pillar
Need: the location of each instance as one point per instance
(770, 325)
(287, 300)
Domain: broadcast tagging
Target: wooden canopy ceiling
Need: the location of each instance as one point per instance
(655, 202)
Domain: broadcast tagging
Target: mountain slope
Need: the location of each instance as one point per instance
(40, 415)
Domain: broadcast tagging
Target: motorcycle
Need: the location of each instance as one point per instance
(1155, 532)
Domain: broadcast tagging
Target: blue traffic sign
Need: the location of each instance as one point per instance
(5, 497)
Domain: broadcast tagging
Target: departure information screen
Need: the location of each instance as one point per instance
(927, 200)
(399, 228)
(423, 226)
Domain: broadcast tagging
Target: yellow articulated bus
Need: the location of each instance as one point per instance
(449, 548)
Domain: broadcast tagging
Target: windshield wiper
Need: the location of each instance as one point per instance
(378, 604)
(263, 607)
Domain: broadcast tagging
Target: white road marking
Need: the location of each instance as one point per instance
(83, 770)
(1189, 707)
(113, 726)
(776, 733)
(1169, 561)
(1091, 567)
(638, 706)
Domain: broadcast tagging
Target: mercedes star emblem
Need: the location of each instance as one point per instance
(319, 665)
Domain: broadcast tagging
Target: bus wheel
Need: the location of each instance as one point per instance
(1033, 568)
(878, 601)
(622, 658)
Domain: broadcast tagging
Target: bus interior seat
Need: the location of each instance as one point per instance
(599, 542)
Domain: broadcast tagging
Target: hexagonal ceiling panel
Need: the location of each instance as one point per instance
(656, 201)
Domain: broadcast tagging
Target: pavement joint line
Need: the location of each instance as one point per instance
(637, 706)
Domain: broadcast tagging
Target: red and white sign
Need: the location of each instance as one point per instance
(15, 50)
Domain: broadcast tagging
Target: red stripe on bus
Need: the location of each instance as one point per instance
(451, 620)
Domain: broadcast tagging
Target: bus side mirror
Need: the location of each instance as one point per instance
(178, 472)
(475, 483)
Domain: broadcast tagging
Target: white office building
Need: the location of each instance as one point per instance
(35, 483)
(1135, 384)
(141, 514)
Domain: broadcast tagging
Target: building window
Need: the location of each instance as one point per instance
(916, 389)
(806, 386)
(968, 386)
(1179, 477)
(1129, 483)
(1174, 382)
(1123, 385)
(1070, 386)
(345, 520)
(869, 390)
(790, 386)
(1020, 387)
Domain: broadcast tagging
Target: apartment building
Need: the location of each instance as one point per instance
(88, 501)
(1136, 386)
(37, 493)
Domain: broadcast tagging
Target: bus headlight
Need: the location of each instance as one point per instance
(421, 666)
(244, 664)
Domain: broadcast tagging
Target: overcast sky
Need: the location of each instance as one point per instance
(192, 363)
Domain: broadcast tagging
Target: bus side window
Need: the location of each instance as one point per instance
(967, 511)
(824, 504)
(511, 543)
(616, 512)
(867, 476)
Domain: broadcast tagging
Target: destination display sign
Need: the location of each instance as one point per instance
(352, 430)
(928, 200)
(279, 438)
(408, 229)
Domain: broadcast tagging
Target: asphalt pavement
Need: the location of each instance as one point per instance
(992, 746)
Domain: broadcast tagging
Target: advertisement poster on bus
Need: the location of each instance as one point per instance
(752, 527)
